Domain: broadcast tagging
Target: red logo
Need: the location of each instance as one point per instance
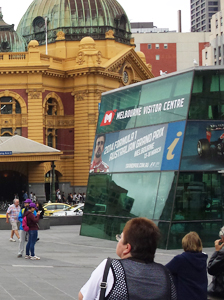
(222, 136)
(108, 117)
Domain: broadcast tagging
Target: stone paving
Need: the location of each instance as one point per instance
(67, 261)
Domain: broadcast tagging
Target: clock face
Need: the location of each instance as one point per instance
(125, 77)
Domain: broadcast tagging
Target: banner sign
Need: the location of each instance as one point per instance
(203, 146)
(155, 108)
(140, 149)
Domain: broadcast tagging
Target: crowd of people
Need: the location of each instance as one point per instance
(28, 216)
(71, 198)
(137, 276)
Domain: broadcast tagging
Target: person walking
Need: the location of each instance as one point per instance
(23, 233)
(135, 275)
(32, 222)
(189, 269)
(13, 212)
(216, 268)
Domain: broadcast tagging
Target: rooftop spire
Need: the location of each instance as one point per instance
(1, 15)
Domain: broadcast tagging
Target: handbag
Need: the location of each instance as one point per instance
(103, 284)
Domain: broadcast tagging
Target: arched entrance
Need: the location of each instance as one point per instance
(12, 183)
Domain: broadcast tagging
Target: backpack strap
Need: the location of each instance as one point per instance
(103, 284)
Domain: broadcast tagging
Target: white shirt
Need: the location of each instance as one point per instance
(91, 290)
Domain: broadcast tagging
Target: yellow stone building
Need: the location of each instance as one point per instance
(50, 92)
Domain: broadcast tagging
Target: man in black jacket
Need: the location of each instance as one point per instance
(216, 268)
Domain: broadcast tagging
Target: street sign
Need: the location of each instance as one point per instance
(5, 152)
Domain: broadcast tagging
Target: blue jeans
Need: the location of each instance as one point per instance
(31, 242)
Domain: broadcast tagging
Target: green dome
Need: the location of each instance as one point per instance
(10, 41)
(76, 18)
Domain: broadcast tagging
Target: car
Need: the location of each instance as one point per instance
(50, 208)
(214, 142)
(70, 211)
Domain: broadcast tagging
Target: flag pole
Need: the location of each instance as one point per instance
(46, 35)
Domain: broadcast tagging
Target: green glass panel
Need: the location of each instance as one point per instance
(207, 230)
(165, 100)
(139, 201)
(199, 196)
(165, 196)
(97, 193)
(117, 195)
(164, 230)
(102, 227)
(207, 101)
(126, 99)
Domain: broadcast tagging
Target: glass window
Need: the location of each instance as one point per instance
(142, 198)
(6, 131)
(157, 46)
(167, 186)
(9, 106)
(50, 140)
(61, 206)
(213, 9)
(117, 194)
(51, 107)
(207, 230)
(165, 100)
(149, 46)
(207, 97)
(50, 207)
(116, 103)
(199, 196)
(104, 227)
(157, 57)
(164, 230)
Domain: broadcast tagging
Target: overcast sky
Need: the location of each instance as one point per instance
(163, 13)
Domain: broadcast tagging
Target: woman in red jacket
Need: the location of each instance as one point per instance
(32, 222)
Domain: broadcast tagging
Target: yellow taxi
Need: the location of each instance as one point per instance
(50, 208)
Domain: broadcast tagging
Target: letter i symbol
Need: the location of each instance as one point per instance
(170, 154)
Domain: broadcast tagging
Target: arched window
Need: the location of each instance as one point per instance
(51, 137)
(123, 23)
(38, 24)
(9, 106)
(5, 47)
(51, 107)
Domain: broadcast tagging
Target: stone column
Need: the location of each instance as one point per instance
(35, 115)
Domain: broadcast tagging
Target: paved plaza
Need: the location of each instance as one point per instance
(67, 261)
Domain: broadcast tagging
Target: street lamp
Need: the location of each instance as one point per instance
(53, 198)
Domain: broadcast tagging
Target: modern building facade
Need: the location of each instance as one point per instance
(201, 14)
(172, 51)
(54, 98)
(164, 152)
(213, 54)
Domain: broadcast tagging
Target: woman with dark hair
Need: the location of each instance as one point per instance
(189, 269)
(135, 276)
(33, 228)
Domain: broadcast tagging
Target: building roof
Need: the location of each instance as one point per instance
(10, 41)
(76, 18)
(199, 68)
(142, 25)
(21, 145)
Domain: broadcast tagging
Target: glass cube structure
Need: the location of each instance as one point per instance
(161, 157)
